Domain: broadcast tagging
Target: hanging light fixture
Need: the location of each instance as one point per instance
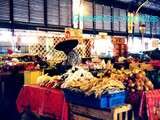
(141, 6)
(142, 28)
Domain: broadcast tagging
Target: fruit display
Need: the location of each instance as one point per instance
(21, 62)
(49, 82)
(142, 66)
(84, 81)
(138, 82)
(134, 78)
(102, 78)
(108, 79)
(96, 64)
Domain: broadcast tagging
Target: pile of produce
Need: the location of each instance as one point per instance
(142, 66)
(84, 81)
(21, 62)
(107, 79)
(134, 78)
(76, 72)
(49, 82)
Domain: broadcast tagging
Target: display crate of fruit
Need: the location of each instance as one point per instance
(106, 101)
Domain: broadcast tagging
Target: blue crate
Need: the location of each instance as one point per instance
(107, 101)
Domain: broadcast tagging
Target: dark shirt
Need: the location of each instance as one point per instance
(73, 58)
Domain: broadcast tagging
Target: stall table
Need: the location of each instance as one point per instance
(85, 113)
(150, 105)
(43, 102)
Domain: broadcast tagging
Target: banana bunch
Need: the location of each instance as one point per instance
(43, 79)
(82, 84)
(104, 85)
(48, 81)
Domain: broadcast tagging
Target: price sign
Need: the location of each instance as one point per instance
(71, 33)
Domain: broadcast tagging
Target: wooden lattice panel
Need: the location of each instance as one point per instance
(88, 45)
(45, 47)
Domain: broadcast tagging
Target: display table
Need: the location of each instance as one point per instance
(43, 102)
(150, 104)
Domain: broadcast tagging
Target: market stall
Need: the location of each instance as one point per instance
(95, 85)
(79, 59)
(103, 83)
(12, 73)
(107, 83)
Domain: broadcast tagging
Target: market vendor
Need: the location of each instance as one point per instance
(73, 59)
(67, 47)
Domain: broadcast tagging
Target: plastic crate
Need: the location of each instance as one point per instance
(106, 101)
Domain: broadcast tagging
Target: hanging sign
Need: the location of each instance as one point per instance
(71, 33)
(118, 40)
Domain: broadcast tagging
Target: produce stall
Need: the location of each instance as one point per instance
(95, 85)
(112, 86)
(79, 60)
(12, 74)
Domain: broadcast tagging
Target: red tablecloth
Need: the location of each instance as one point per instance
(43, 101)
(151, 104)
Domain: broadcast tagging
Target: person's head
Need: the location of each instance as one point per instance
(67, 51)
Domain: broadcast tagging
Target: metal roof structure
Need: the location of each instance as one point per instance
(151, 7)
(151, 4)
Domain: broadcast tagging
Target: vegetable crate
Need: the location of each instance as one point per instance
(106, 101)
